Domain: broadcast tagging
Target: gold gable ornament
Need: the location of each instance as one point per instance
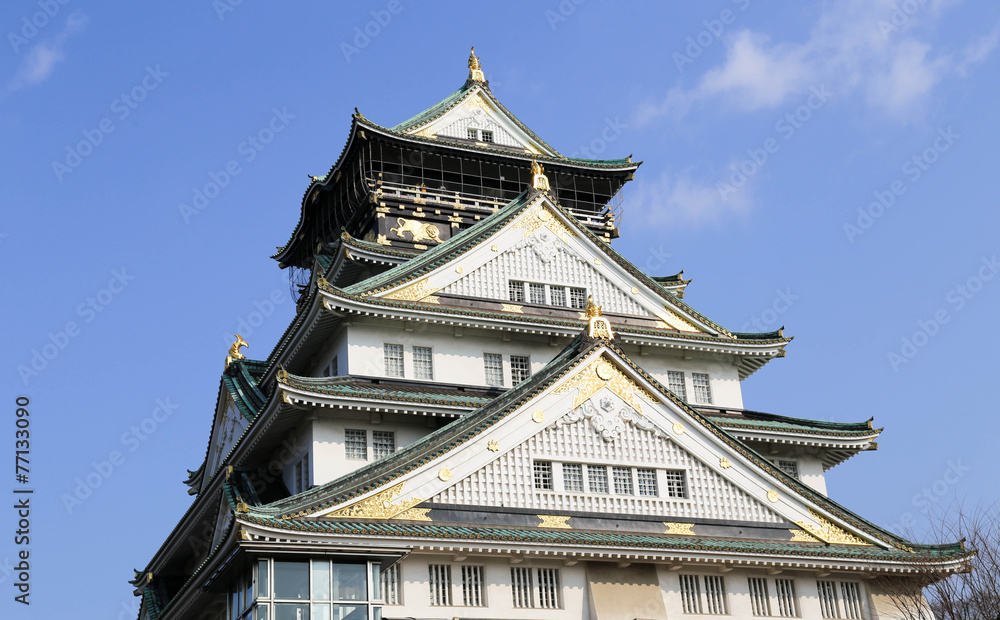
(600, 326)
(234, 350)
(538, 179)
(475, 67)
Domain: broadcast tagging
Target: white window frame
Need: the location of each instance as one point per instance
(493, 380)
(378, 443)
(439, 584)
(389, 349)
(543, 475)
(677, 384)
(473, 585)
(675, 478)
(702, 392)
(347, 450)
(516, 369)
(425, 373)
(788, 466)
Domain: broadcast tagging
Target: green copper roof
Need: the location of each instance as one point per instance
(756, 420)
(353, 387)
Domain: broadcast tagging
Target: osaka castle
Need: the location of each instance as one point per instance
(483, 410)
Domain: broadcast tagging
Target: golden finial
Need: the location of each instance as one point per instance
(538, 179)
(592, 308)
(234, 350)
(475, 67)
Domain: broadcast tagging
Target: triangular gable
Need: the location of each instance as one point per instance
(602, 373)
(524, 247)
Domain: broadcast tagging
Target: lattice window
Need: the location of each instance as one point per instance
(472, 586)
(494, 368)
(789, 467)
(472, 134)
(557, 296)
(623, 480)
(760, 602)
(423, 363)
(690, 594)
(548, 588)
(676, 483)
(391, 585)
(572, 476)
(543, 475)
(393, 360)
(785, 589)
(828, 599)
(536, 293)
(702, 388)
(487, 135)
(647, 482)
(383, 443)
(356, 444)
(715, 594)
(597, 478)
(520, 368)
(440, 584)
(577, 298)
(521, 590)
(515, 291)
(675, 383)
(851, 597)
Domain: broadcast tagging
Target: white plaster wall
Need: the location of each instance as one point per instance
(811, 473)
(336, 347)
(723, 375)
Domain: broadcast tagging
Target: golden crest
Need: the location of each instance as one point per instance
(724, 463)
(554, 521)
(588, 382)
(681, 529)
(493, 445)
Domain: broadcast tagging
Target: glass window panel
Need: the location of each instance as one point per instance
(675, 382)
(290, 611)
(572, 476)
(597, 478)
(291, 580)
(494, 368)
(262, 577)
(676, 486)
(543, 475)
(520, 368)
(423, 363)
(349, 582)
(322, 611)
(321, 580)
(702, 388)
(376, 582)
(261, 613)
(350, 612)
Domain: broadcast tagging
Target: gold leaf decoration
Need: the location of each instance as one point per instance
(828, 532)
(538, 416)
(378, 506)
(414, 514)
(588, 382)
(512, 308)
(413, 292)
(802, 536)
(680, 529)
(772, 496)
(493, 445)
(542, 217)
(724, 463)
(444, 474)
(554, 521)
(678, 428)
(674, 320)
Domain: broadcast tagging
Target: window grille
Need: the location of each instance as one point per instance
(557, 296)
(578, 298)
(675, 383)
(647, 482)
(789, 467)
(828, 599)
(572, 477)
(494, 368)
(440, 584)
(393, 360)
(520, 368)
(391, 585)
(702, 389)
(715, 594)
(521, 590)
(690, 594)
(355, 444)
(676, 484)
(543, 475)
(383, 443)
(423, 363)
(785, 589)
(623, 480)
(851, 596)
(597, 478)
(759, 599)
(487, 135)
(548, 588)
(472, 586)
(304, 474)
(515, 291)
(536, 293)
(472, 134)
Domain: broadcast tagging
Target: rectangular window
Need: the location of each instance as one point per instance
(383, 443)
(472, 134)
(520, 368)
(297, 478)
(393, 360)
(543, 475)
(521, 590)
(623, 480)
(760, 602)
(440, 584)
(676, 485)
(702, 389)
(548, 588)
(647, 482)
(331, 368)
(675, 383)
(494, 368)
(828, 599)
(536, 293)
(487, 135)
(715, 594)
(515, 291)
(851, 597)
(789, 467)
(302, 475)
(423, 363)
(472, 586)
(557, 296)
(391, 585)
(572, 477)
(356, 444)
(690, 594)
(578, 298)
(785, 589)
(597, 478)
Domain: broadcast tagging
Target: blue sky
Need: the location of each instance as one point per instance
(829, 167)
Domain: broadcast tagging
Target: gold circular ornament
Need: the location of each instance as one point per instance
(772, 496)
(597, 261)
(495, 247)
(459, 269)
(724, 463)
(544, 215)
(635, 290)
(493, 445)
(538, 416)
(678, 428)
(444, 474)
(605, 371)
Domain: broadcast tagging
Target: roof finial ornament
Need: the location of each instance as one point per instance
(600, 326)
(234, 350)
(539, 181)
(475, 67)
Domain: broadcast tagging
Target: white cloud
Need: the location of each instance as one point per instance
(41, 60)
(682, 198)
(976, 52)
